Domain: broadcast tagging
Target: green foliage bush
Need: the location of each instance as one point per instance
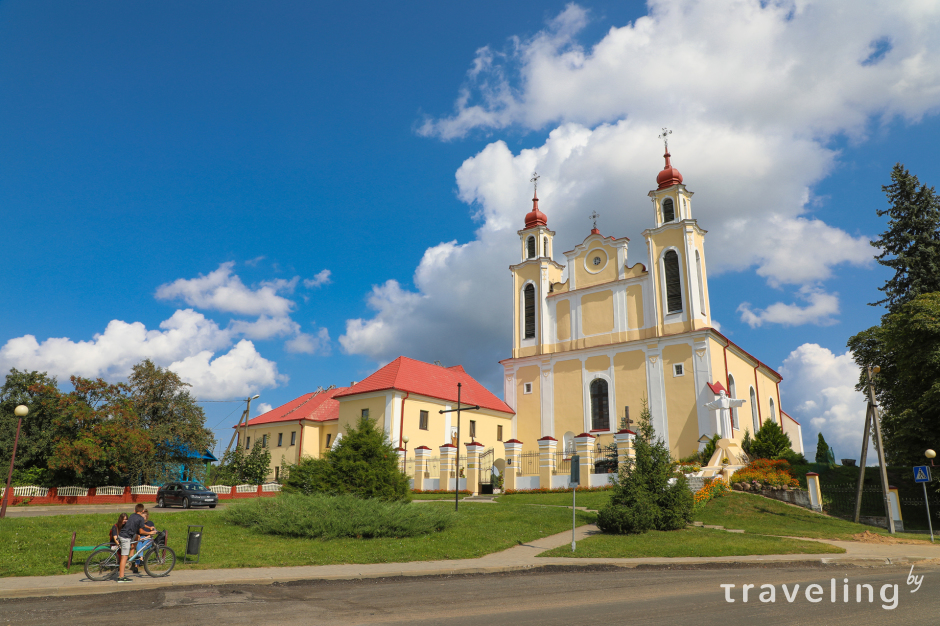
(237, 467)
(643, 498)
(362, 464)
(332, 517)
(770, 442)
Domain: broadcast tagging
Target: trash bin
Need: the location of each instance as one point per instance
(193, 544)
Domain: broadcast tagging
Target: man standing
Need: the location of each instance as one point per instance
(130, 530)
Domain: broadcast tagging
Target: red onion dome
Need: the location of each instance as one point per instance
(669, 176)
(535, 217)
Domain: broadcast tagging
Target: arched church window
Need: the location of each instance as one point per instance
(669, 211)
(600, 412)
(773, 413)
(673, 282)
(545, 246)
(530, 247)
(528, 297)
(734, 411)
(754, 416)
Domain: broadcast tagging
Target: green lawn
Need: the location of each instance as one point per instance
(590, 499)
(759, 515)
(38, 545)
(689, 542)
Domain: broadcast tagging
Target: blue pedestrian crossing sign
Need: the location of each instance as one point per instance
(922, 474)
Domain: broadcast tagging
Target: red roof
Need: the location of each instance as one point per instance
(318, 406)
(426, 379)
(717, 388)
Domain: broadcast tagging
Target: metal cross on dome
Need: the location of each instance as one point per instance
(535, 181)
(594, 217)
(665, 137)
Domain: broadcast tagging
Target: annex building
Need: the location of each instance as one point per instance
(589, 350)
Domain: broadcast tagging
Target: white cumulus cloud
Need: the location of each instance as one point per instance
(307, 343)
(240, 371)
(262, 408)
(221, 290)
(321, 278)
(820, 310)
(818, 389)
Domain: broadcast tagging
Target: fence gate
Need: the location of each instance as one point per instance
(486, 471)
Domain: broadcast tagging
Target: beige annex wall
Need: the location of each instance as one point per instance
(350, 409)
(681, 398)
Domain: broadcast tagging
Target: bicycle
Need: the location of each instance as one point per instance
(158, 560)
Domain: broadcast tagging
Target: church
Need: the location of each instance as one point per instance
(589, 350)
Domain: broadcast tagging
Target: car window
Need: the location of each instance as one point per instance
(194, 486)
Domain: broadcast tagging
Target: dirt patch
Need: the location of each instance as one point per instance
(870, 537)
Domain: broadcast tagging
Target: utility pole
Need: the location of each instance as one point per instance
(244, 418)
(872, 418)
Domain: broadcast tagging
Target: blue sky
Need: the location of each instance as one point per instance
(298, 158)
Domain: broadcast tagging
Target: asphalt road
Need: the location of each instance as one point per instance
(567, 596)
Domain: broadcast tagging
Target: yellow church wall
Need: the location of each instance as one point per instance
(563, 317)
(597, 363)
(608, 255)
(568, 407)
(680, 399)
(630, 383)
(522, 274)
(597, 312)
(672, 238)
(636, 271)
(635, 306)
(560, 287)
(528, 404)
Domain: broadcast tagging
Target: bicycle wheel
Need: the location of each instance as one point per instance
(159, 561)
(101, 564)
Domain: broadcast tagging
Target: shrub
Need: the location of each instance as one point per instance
(237, 467)
(770, 442)
(510, 492)
(709, 450)
(649, 493)
(333, 517)
(363, 464)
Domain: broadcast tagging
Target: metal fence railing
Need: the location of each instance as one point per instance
(528, 464)
(840, 501)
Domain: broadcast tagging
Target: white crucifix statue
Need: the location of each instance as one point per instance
(724, 404)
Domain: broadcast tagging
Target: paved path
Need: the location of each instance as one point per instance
(520, 557)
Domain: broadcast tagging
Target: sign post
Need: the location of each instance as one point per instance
(922, 476)
(575, 479)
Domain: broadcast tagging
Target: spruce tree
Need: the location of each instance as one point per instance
(770, 442)
(911, 245)
(646, 497)
(822, 450)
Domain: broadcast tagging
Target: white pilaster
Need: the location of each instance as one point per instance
(657, 392)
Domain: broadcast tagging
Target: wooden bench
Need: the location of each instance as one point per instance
(73, 549)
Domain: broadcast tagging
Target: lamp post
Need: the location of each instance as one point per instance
(21, 411)
(404, 458)
(930, 454)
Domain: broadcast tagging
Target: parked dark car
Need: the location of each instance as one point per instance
(186, 495)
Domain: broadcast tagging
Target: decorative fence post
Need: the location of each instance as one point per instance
(895, 507)
(448, 456)
(473, 466)
(546, 461)
(815, 494)
(625, 450)
(513, 455)
(401, 459)
(421, 466)
(584, 444)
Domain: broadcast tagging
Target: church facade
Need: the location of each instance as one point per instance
(589, 350)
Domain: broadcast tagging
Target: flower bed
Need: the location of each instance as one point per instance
(766, 473)
(714, 488)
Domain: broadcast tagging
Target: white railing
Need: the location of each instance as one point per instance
(145, 490)
(220, 489)
(26, 492)
(109, 491)
(70, 492)
(246, 488)
(271, 487)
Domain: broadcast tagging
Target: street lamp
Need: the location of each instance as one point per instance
(404, 458)
(930, 454)
(21, 411)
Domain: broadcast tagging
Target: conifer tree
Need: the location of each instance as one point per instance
(822, 450)
(645, 496)
(770, 442)
(911, 245)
